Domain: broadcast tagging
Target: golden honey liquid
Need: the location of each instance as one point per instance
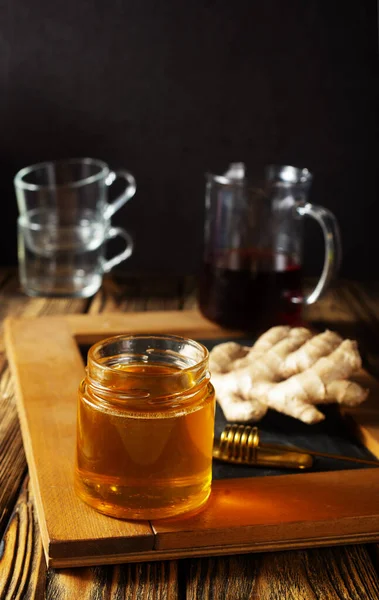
(147, 463)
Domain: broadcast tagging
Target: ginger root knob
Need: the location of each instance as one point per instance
(288, 370)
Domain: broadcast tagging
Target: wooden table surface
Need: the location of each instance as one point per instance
(347, 572)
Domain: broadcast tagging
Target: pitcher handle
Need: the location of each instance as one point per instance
(112, 262)
(128, 193)
(333, 247)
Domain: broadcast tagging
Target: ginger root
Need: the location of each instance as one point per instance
(306, 355)
(289, 370)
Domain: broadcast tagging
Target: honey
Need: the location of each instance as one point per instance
(145, 427)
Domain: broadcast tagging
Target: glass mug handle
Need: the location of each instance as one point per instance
(333, 247)
(128, 193)
(116, 260)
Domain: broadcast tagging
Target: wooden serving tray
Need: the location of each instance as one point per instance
(242, 515)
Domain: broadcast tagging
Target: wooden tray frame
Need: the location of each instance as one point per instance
(242, 515)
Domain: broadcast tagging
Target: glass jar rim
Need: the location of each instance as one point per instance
(197, 364)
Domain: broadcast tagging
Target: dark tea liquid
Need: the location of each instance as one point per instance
(251, 290)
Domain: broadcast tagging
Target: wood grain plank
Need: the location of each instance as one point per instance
(158, 581)
(232, 577)
(12, 457)
(332, 307)
(23, 573)
(47, 368)
(22, 563)
(187, 323)
(12, 465)
(13, 302)
(364, 299)
(162, 297)
(305, 508)
(373, 550)
(330, 574)
(132, 294)
(221, 551)
(118, 295)
(345, 573)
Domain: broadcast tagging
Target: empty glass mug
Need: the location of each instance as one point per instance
(64, 224)
(252, 271)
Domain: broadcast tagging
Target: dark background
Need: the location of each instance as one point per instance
(173, 89)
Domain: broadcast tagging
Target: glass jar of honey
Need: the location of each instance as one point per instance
(145, 427)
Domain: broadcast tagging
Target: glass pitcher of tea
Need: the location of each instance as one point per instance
(251, 276)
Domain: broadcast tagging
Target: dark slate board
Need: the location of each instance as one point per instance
(331, 435)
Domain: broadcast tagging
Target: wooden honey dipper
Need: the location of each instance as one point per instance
(240, 444)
